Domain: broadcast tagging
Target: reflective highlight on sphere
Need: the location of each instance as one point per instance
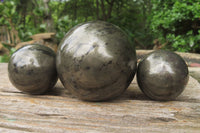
(96, 61)
(32, 69)
(162, 75)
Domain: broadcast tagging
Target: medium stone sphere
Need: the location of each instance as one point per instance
(96, 61)
(32, 69)
(162, 75)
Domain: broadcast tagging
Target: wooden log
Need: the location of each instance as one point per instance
(45, 39)
(42, 36)
(19, 45)
(195, 73)
(58, 111)
(3, 50)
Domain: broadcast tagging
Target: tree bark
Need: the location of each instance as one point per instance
(107, 15)
(103, 10)
(48, 20)
(97, 9)
(111, 3)
(75, 9)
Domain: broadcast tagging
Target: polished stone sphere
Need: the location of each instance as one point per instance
(162, 75)
(96, 61)
(32, 69)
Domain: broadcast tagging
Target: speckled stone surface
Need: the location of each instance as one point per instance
(162, 75)
(96, 61)
(32, 69)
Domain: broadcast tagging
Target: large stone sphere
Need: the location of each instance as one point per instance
(96, 61)
(32, 69)
(162, 75)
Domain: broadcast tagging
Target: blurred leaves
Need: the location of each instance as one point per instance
(178, 22)
(5, 58)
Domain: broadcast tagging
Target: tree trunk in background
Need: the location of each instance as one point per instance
(146, 8)
(47, 18)
(107, 12)
(97, 9)
(104, 17)
(75, 9)
(111, 3)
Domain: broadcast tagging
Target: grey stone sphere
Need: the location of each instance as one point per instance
(32, 69)
(162, 75)
(96, 61)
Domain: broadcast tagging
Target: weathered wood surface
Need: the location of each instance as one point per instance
(195, 73)
(43, 36)
(58, 111)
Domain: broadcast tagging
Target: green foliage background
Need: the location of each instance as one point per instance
(172, 22)
(178, 22)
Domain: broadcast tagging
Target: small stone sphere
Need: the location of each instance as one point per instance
(96, 61)
(32, 69)
(162, 75)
